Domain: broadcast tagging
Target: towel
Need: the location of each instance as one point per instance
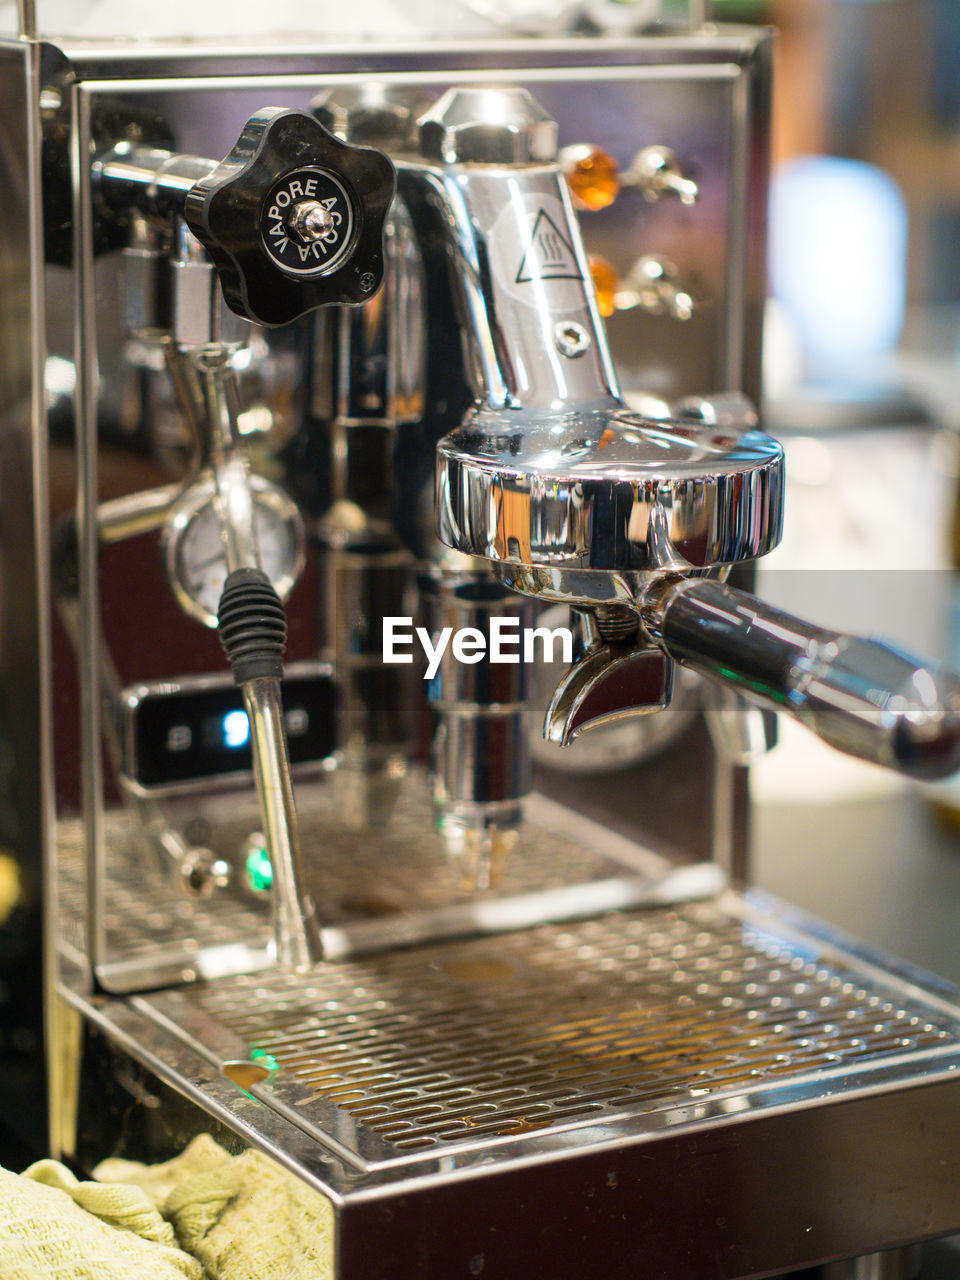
(244, 1217)
(54, 1226)
(205, 1215)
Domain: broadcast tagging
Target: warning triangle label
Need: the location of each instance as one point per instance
(549, 256)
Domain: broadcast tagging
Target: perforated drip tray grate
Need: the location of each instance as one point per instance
(370, 886)
(637, 1013)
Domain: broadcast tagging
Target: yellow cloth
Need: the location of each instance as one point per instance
(56, 1228)
(244, 1217)
(241, 1217)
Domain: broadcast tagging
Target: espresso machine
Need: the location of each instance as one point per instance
(309, 344)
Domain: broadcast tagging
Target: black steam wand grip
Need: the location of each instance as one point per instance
(253, 632)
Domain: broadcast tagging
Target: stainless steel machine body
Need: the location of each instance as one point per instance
(569, 1053)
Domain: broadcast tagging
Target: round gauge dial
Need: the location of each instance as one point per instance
(194, 552)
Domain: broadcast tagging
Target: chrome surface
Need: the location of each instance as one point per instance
(372, 891)
(371, 364)
(864, 697)
(366, 580)
(145, 263)
(369, 380)
(487, 125)
(519, 267)
(295, 921)
(589, 490)
(656, 172)
(654, 285)
(203, 58)
(199, 317)
(135, 513)
(678, 1042)
(567, 1024)
(481, 730)
(609, 683)
(552, 471)
(310, 220)
(612, 1188)
(234, 501)
(729, 410)
(148, 178)
(740, 730)
(373, 113)
(624, 740)
(588, 486)
(25, 791)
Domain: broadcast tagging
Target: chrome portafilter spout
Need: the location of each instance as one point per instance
(634, 522)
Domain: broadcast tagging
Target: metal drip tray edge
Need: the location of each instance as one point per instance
(495, 1076)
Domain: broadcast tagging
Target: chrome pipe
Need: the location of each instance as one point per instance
(271, 759)
(864, 697)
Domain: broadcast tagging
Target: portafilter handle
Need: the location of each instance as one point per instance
(863, 696)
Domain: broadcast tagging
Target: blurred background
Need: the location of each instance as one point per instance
(862, 384)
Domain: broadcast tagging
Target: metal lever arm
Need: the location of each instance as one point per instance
(863, 696)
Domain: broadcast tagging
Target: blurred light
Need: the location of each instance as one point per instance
(259, 871)
(592, 175)
(10, 886)
(838, 253)
(236, 729)
(606, 282)
(809, 461)
(264, 1059)
(926, 687)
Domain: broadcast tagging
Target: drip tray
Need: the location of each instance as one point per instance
(714, 1061)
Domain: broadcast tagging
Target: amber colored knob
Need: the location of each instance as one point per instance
(606, 282)
(592, 175)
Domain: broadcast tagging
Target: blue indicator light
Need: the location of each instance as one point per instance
(236, 729)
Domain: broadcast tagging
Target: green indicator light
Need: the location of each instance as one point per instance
(259, 871)
(264, 1059)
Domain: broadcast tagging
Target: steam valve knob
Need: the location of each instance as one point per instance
(293, 218)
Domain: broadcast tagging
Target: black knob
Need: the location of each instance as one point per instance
(293, 218)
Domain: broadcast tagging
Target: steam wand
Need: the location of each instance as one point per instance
(253, 631)
(293, 220)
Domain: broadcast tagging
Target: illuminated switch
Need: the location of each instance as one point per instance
(297, 722)
(179, 738)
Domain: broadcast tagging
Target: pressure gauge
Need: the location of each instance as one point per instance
(194, 552)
